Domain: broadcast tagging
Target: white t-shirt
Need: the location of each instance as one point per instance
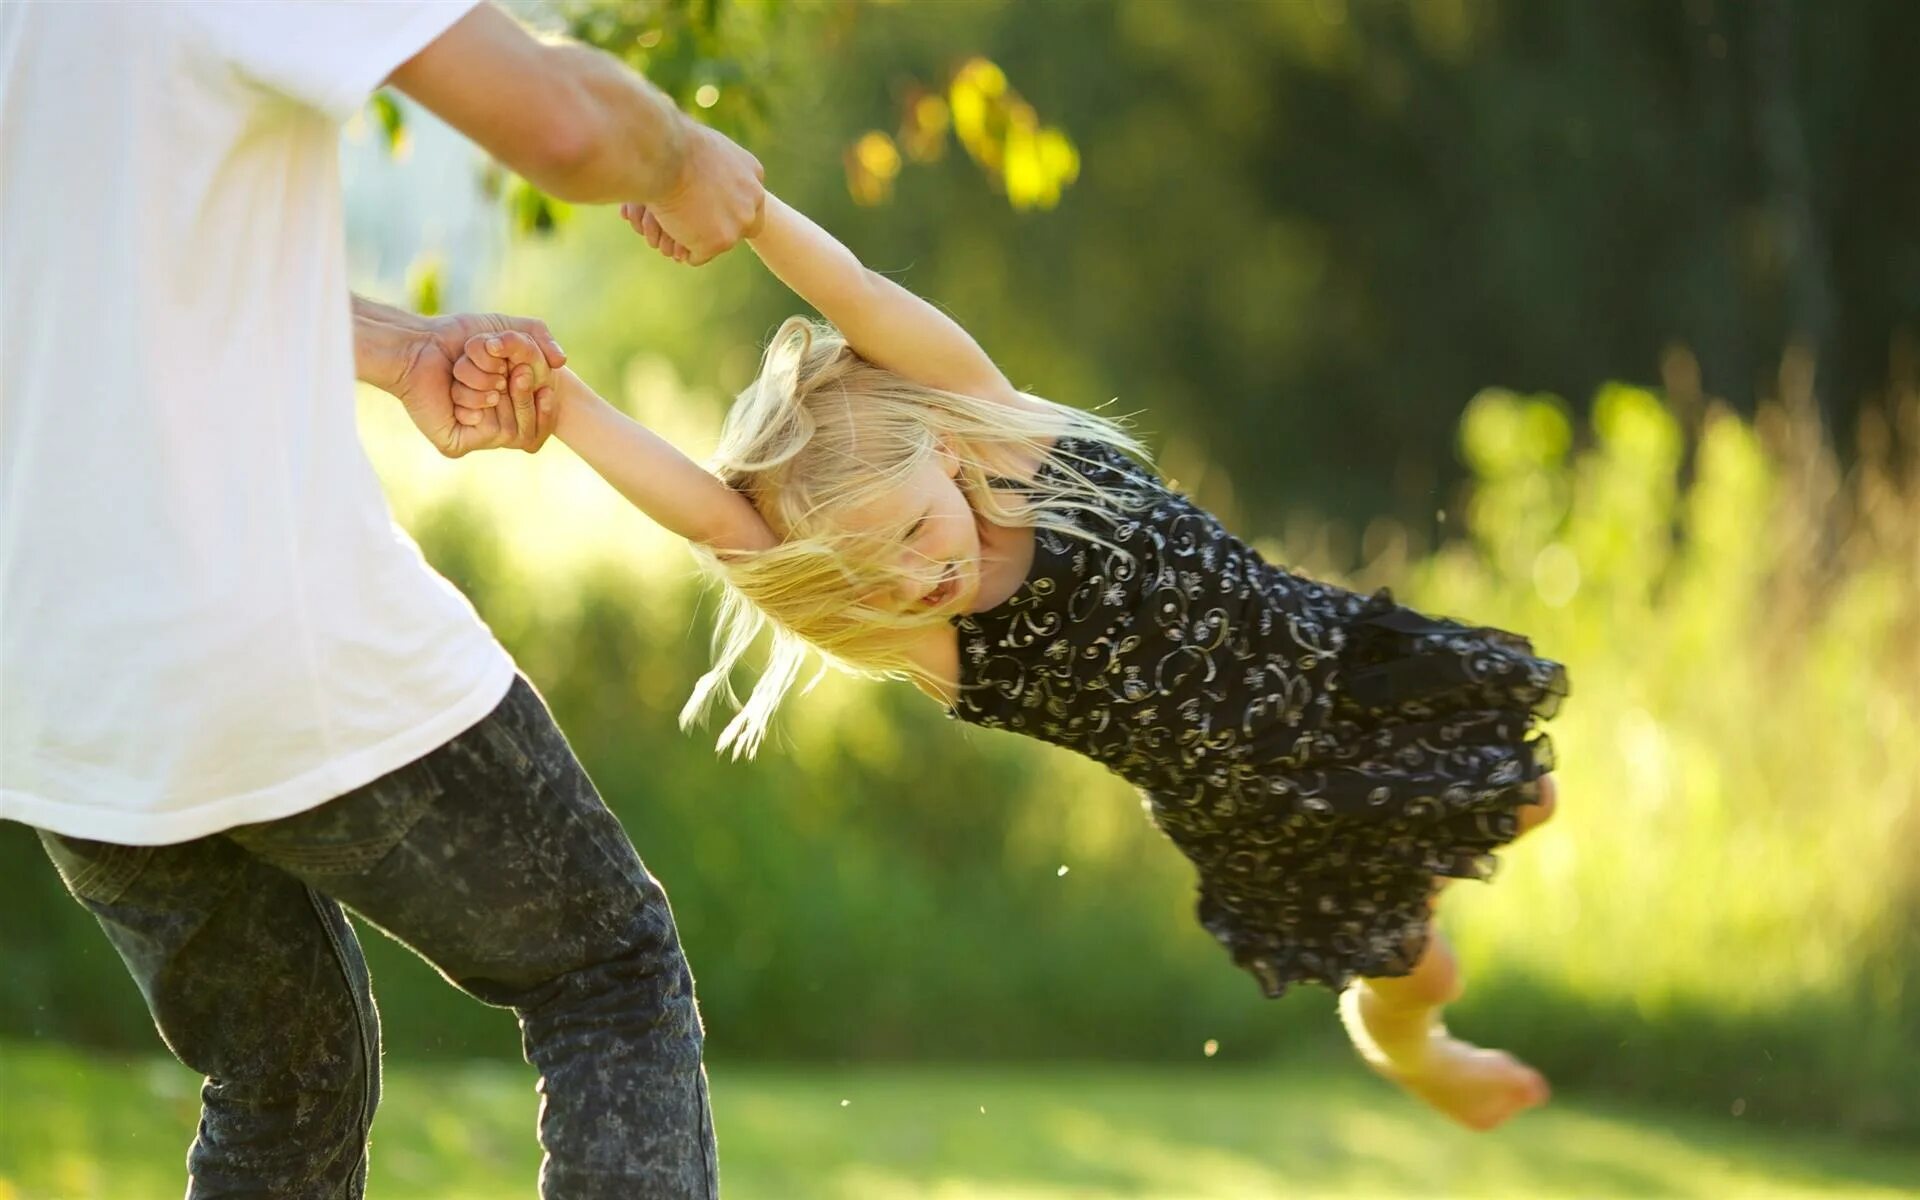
(207, 614)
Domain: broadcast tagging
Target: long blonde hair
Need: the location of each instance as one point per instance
(820, 431)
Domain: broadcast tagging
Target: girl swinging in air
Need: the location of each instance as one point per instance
(882, 496)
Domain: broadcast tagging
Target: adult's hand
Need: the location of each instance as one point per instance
(717, 200)
(460, 408)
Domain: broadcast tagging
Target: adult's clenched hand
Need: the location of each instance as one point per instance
(717, 200)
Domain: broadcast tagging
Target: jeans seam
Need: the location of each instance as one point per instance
(368, 1060)
(106, 878)
(90, 873)
(708, 1162)
(349, 858)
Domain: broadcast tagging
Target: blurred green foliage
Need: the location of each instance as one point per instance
(718, 58)
(726, 62)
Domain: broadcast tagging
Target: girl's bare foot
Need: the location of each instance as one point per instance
(1478, 1088)
(1395, 1024)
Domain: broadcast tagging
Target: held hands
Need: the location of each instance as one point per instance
(513, 366)
(719, 200)
(457, 402)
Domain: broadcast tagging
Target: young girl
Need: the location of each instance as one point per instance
(882, 496)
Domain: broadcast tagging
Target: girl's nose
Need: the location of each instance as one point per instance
(922, 573)
(928, 573)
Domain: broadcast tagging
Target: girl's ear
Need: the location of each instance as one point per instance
(949, 461)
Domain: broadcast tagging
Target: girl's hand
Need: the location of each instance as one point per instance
(513, 365)
(647, 225)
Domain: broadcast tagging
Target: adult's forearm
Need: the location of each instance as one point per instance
(384, 340)
(576, 121)
(632, 140)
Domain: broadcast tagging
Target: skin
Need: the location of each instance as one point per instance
(1396, 1027)
(952, 557)
(938, 533)
(454, 398)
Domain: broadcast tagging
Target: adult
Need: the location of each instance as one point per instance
(234, 696)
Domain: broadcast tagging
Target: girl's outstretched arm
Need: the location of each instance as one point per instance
(653, 474)
(884, 323)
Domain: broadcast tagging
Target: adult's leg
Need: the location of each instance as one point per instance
(255, 981)
(494, 859)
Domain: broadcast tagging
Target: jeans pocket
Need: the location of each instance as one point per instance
(349, 834)
(95, 872)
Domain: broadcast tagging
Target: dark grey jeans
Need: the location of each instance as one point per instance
(495, 860)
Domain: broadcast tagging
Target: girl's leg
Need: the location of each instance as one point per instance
(1395, 1025)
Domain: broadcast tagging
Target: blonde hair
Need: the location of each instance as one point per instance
(820, 431)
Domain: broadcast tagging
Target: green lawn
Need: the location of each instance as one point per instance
(78, 1127)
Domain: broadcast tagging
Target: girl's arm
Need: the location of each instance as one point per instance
(653, 474)
(883, 322)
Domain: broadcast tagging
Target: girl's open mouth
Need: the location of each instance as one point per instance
(944, 592)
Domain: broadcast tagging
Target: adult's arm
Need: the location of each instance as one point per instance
(582, 126)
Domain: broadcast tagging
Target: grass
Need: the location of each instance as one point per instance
(74, 1127)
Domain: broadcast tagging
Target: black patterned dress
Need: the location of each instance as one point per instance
(1318, 754)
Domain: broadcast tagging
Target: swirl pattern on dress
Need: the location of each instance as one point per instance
(1318, 754)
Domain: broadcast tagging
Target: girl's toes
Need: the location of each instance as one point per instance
(1529, 1091)
(1533, 1089)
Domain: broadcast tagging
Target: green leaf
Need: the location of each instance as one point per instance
(392, 120)
(531, 210)
(424, 284)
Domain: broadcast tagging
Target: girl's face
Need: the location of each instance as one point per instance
(938, 536)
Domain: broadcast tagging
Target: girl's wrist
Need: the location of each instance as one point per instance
(571, 398)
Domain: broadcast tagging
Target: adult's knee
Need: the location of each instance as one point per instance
(643, 991)
(286, 1112)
